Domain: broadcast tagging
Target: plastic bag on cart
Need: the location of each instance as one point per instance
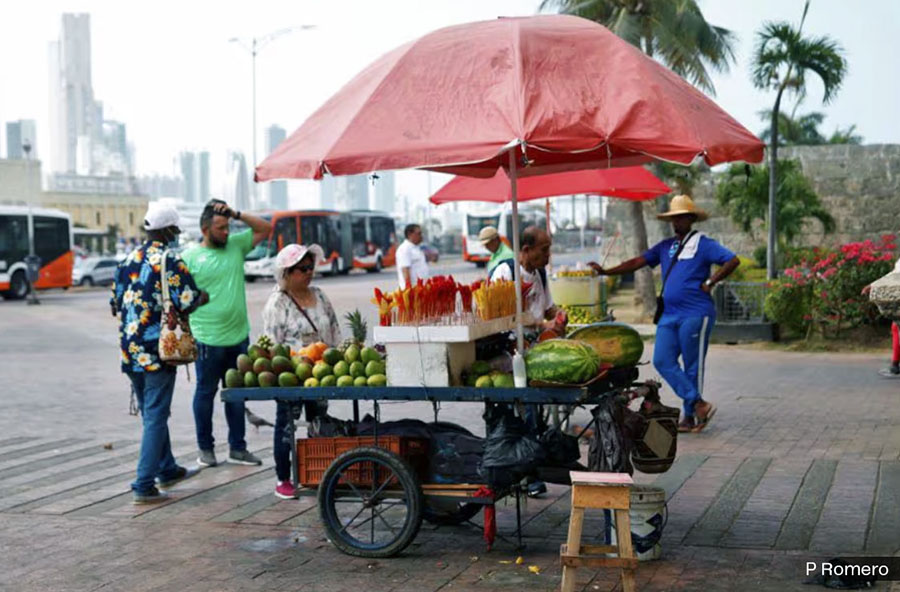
(454, 453)
(511, 452)
(326, 426)
(561, 449)
(609, 450)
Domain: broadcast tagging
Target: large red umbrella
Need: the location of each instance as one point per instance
(537, 94)
(634, 183)
(567, 91)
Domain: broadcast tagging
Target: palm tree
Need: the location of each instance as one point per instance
(802, 131)
(782, 60)
(745, 197)
(845, 136)
(675, 33)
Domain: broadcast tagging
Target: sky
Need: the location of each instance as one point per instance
(167, 70)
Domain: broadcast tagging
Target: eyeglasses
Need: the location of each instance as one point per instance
(303, 268)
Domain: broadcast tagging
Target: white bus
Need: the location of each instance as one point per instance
(52, 230)
(501, 219)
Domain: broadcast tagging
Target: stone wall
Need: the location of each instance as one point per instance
(860, 186)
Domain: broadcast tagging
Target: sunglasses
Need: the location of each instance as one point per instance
(303, 268)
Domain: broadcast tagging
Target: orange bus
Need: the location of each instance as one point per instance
(52, 231)
(356, 239)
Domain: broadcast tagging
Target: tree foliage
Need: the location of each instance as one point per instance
(672, 31)
(746, 199)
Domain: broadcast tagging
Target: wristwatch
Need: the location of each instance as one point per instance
(708, 283)
(237, 214)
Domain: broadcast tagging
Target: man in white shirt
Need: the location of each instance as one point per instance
(534, 255)
(411, 264)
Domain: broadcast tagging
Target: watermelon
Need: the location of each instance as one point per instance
(616, 343)
(562, 360)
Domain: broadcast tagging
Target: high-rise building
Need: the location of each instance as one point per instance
(326, 192)
(385, 191)
(73, 110)
(17, 133)
(194, 168)
(189, 174)
(237, 184)
(203, 177)
(351, 193)
(277, 190)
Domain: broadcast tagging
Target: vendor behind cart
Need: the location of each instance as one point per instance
(534, 255)
(296, 314)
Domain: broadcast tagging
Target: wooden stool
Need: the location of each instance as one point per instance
(608, 491)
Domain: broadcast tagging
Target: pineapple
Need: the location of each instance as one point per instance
(358, 329)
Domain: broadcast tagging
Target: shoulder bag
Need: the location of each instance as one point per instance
(660, 305)
(176, 342)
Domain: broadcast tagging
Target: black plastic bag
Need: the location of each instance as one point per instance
(510, 451)
(454, 453)
(609, 450)
(560, 449)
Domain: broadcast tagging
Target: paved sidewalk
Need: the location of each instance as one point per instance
(801, 462)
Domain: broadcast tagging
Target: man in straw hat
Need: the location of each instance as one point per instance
(685, 311)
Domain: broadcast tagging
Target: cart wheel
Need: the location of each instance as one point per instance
(442, 512)
(370, 502)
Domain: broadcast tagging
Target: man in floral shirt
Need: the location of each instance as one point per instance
(137, 300)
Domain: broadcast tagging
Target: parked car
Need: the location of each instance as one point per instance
(94, 271)
(431, 253)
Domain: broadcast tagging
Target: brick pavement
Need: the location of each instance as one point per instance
(802, 461)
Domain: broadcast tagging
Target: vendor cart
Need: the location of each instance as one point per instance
(371, 500)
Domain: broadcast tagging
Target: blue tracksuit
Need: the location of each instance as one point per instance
(688, 315)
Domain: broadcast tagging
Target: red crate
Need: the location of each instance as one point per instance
(314, 455)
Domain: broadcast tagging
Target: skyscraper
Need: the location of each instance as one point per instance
(385, 192)
(73, 111)
(237, 186)
(326, 192)
(278, 193)
(17, 133)
(351, 192)
(189, 174)
(203, 177)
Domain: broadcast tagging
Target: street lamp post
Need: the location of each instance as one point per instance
(254, 45)
(32, 263)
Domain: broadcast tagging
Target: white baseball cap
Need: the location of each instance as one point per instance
(292, 254)
(160, 216)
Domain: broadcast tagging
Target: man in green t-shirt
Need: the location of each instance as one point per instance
(222, 331)
(500, 252)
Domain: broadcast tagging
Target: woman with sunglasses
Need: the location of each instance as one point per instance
(297, 314)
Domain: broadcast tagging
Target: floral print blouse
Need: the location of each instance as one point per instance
(284, 323)
(137, 298)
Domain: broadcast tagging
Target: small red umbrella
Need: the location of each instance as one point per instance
(633, 183)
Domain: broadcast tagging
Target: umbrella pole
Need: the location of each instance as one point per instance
(520, 338)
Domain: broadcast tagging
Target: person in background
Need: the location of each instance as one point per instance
(688, 312)
(894, 369)
(137, 301)
(500, 251)
(221, 329)
(411, 263)
(296, 314)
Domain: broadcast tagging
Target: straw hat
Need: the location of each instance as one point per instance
(683, 204)
(487, 234)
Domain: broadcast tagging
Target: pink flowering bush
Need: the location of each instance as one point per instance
(822, 290)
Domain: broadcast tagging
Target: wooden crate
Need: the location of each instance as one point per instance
(314, 455)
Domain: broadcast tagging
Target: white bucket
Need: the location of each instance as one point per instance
(648, 518)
